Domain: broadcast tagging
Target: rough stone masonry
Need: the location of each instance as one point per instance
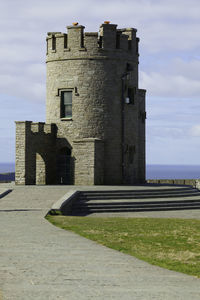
(95, 113)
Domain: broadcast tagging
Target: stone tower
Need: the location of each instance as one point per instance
(95, 112)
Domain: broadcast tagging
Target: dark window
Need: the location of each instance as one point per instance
(53, 42)
(65, 41)
(129, 67)
(47, 45)
(131, 95)
(129, 44)
(66, 104)
(82, 40)
(143, 116)
(118, 40)
(137, 45)
(100, 41)
(131, 153)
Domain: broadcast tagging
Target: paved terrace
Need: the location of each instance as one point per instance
(40, 261)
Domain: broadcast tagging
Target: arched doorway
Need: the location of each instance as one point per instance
(64, 166)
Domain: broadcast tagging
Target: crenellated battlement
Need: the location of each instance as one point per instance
(77, 43)
(36, 127)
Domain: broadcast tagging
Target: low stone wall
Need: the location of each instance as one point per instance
(192, 182)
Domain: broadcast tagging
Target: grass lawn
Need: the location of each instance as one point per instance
(169, 243)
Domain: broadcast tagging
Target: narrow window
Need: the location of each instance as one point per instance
(47, 46)
(131, 95)
(66, 104)
(100, 41)
(137, 45)
(65, 41)
(53, 42)
(82, 40)
(129, 44)
(118, 41)
(129, 67)
(131, 154)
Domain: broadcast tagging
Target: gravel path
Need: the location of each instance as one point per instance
(40, 261)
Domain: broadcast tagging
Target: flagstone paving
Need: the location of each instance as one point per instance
(40, 261)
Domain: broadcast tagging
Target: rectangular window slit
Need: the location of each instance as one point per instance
(129, 44)
(66, 104)
(47, 45)
(53, 42)
(131, 95)
(100, 42)
(118, 40)
(65, 41)
(137, 45)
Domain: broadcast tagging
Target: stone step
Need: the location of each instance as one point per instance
(134, 203)
(137, 196)
(144, 191)
(140, 200)
(86, 210)
(128, 200)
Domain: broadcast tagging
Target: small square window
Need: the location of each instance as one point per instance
(129, 67)
(66, 104)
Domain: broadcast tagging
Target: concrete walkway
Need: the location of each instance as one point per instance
(40, 261)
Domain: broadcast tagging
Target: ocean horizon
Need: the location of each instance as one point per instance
(172, 171)
(152, 171)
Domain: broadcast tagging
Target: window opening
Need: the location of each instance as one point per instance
(131, 154)
(100, 42)
(131, 95)
(129, 44)
(53, 42)
(47, 46)
(66, 104)
(129, 67)
(82, 40)
(118, 41)
(137, 45)
(65, 41)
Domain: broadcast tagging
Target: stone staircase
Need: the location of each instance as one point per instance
(137, 200)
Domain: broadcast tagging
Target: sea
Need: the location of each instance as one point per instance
(152, 171)
(172, 171)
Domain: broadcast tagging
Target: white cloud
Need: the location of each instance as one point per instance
(163, 85)
(188, 69)
(195, 130)
(24, 83)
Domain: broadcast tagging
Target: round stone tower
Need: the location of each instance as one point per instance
(94, 100)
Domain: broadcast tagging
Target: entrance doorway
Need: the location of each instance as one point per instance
(64, 166)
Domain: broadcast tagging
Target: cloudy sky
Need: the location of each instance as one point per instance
(169, 66)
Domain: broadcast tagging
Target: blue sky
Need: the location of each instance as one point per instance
(169, 66)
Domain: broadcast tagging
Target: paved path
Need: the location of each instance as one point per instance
(40, 261)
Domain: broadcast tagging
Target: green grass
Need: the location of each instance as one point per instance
(170, 243)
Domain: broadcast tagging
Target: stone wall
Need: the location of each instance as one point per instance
(35, 153)
(192, 182)
(89, 167)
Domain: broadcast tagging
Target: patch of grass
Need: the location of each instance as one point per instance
(169, 243)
